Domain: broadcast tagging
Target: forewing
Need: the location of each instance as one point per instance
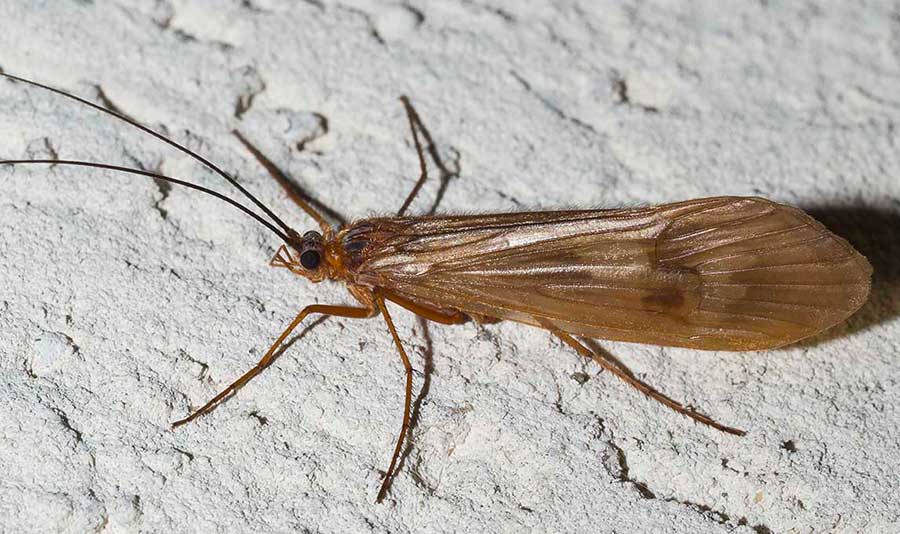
(719, 273)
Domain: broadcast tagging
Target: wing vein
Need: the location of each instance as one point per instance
(835, 261)
(733, 222)
(776, 302)
(747, 252)
(735, 242)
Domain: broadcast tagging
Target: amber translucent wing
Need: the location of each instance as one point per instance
(720, 273)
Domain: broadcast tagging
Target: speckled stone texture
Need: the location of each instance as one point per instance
(124, 303)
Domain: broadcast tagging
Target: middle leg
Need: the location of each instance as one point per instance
(404, 426)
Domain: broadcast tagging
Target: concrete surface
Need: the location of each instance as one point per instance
(124, 303)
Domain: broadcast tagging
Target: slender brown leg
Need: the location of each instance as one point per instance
(432, 314)
(627, 377)
(352, 312)
(404, 427)
(306, 202)
(413, 120)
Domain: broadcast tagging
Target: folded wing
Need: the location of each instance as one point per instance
(722, 273)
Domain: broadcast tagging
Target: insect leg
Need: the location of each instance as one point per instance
(432, 314)
(404, 427)
(413, 121)
(352, 312)
(626, 376)
(307, 203)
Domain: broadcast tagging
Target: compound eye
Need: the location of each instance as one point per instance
(310, 260)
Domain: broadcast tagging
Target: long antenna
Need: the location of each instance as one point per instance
(210, 165)
(141, 172)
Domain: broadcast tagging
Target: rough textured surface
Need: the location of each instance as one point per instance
(124, 303)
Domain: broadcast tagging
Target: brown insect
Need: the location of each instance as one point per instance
(723, 273)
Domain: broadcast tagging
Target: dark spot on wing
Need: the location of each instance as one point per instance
(663, 300)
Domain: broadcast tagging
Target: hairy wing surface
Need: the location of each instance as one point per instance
(725, 273)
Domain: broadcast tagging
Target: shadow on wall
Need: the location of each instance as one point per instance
(875, 233)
